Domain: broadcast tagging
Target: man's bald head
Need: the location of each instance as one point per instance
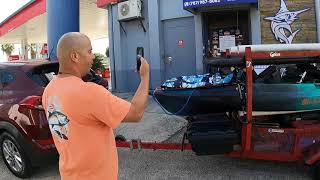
(69, 42)
(74, 53)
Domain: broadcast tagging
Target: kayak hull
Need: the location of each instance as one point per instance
(266, 97)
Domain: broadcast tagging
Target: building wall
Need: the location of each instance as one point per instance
(126, 37)
(123, 42)
(255, 25)
(154, 43)
(306, 21)
(170, 9)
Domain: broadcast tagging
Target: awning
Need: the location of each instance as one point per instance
(195, 4)
(105, 3)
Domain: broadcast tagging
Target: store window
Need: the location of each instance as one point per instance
(224, 29)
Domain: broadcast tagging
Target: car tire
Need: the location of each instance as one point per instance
(14, 156)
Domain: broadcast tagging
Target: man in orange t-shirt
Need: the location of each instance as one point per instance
(82, 114)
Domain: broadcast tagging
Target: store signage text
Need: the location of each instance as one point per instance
(275, 54)
(310, 101)
(270, 130)
(208, 3)
(248, 64)
(281, 23)
(180, 43)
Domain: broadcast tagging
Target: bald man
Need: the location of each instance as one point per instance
(82, 115)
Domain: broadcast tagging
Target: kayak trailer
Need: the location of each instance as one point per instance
(245, 135)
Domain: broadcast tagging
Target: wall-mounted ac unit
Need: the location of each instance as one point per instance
(129, 10)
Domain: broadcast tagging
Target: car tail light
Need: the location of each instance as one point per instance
(38, 129)
(45, 144)
(32, 102)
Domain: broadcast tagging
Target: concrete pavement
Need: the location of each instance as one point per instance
(154, 126)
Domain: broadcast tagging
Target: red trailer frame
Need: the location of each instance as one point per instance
(301, 131)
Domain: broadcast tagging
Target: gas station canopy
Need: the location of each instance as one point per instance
(30, 22)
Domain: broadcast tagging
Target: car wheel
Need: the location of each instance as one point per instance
(14, 156)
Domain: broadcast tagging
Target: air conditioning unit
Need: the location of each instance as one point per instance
(129, 10)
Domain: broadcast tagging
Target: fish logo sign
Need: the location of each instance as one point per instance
(281, 23)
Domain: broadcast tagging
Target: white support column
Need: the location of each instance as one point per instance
(199, 43)
(24, 49)
(317, 8)
(255, 25)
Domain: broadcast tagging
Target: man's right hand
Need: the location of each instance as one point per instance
(140, 99)
(144, 69)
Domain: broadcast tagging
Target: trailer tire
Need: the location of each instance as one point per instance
(120, 138)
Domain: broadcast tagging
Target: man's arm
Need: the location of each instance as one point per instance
(140, 99)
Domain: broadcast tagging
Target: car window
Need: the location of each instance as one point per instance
(49, 75)
(43, 74)
(6, 77)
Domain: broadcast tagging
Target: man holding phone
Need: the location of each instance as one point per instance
(82, 115)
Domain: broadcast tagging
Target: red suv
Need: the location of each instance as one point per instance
(25, 137)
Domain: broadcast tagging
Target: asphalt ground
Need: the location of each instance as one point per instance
(171, 165)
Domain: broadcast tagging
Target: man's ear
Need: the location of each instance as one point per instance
(74, 56)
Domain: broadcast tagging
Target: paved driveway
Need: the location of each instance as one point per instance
(171, 165)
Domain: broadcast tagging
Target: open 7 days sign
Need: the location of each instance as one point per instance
(209, 3)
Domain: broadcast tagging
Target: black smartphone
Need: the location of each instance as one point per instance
(138, 62)
(140, 53)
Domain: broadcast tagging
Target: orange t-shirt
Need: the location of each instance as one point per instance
(81, 118)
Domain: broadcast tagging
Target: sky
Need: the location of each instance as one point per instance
(8, 7)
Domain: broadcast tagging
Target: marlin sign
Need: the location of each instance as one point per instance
(281, 23)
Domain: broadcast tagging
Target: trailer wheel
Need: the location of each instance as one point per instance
(120, 138)
(316, 171)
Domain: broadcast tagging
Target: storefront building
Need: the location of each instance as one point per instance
(177, 35)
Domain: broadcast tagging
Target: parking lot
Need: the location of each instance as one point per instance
(154, 165)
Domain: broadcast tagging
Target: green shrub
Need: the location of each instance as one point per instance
(7, 48)
(98, 62)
